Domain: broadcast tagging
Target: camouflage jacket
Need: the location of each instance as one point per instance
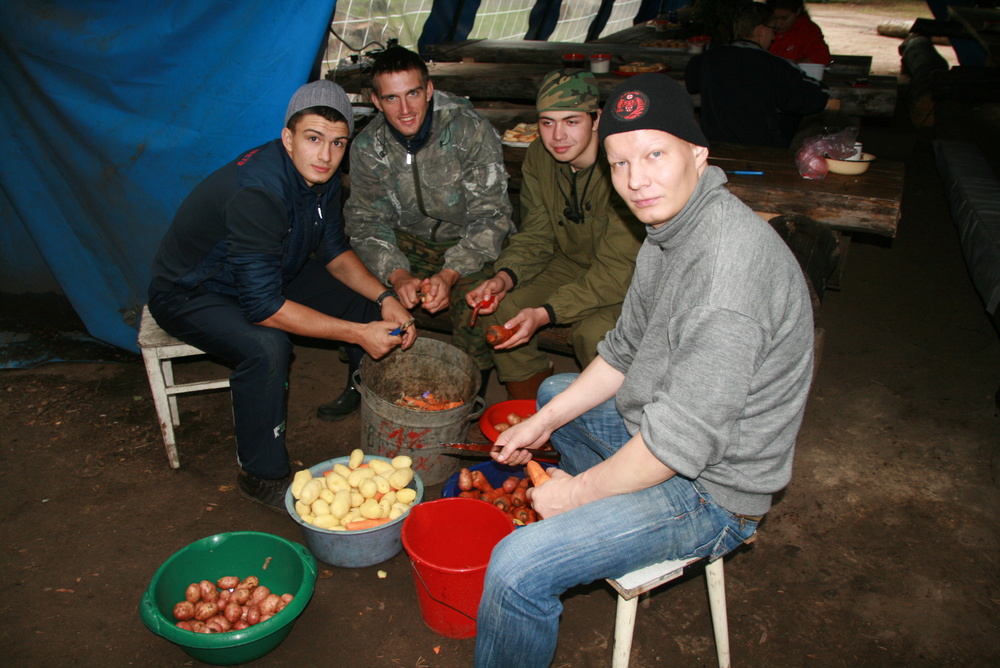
(453, 189)
(603, 244)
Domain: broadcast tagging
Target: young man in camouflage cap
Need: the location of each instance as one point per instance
(677, 435)
(572, 260)
(428, 207)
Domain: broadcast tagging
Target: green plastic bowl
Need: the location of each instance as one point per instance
(281, 565)
(353, 549)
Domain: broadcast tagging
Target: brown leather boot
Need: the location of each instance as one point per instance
(528, 389)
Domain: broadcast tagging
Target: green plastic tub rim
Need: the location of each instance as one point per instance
(232, 647)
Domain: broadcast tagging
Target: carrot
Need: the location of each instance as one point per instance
(519, 497)
(504, 503)
(358, 525)
(492, 495)
(523, 484)
(480, 482)
(469, 494)
(464, 479)
(510, 484)
(536, 473)
(522, 515)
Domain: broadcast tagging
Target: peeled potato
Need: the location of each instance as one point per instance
(501, 426)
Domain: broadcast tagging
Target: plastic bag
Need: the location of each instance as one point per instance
(811, 157)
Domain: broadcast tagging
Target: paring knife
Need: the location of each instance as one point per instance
(549, 456)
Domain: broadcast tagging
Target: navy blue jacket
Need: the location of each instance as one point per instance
(750, 96)
(248, 229)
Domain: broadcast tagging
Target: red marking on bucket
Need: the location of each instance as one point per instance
(449, 542)
(422, 462)
(406, 438)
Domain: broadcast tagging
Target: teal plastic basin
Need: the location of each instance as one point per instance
(283, 566)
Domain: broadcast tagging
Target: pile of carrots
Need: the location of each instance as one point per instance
(510, 497)
(427, 402)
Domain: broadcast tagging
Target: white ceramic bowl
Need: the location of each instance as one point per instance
(851, 167)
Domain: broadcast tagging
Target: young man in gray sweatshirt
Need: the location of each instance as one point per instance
(676, 436)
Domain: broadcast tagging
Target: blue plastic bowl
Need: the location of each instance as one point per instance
(495, 473)
(353, 549)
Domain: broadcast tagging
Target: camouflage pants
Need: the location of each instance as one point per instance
(527, 360)
(426, 259)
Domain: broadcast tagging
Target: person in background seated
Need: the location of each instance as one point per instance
(257, 253)
(428, 208)
(797, 39)
(748, 95)
(681, 430)
(572, 260)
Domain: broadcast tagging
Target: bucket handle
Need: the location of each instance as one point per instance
(356, 378)
(478, 408)
(420, 577)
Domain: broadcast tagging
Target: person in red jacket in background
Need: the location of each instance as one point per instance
(796, 37)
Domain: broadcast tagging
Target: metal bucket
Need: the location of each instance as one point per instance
(390, 430)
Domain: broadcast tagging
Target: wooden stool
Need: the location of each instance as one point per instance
(158, 351)
(632, 585)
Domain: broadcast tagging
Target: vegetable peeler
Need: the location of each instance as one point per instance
(399, 330)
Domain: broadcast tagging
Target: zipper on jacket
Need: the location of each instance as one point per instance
(411, 160)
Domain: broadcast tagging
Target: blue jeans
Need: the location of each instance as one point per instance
(518, 619)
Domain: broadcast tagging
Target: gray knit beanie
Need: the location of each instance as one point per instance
(322, 93)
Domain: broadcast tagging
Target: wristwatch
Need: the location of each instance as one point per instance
(385, 295)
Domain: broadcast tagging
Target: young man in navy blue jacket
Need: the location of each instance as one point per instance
(257, 253)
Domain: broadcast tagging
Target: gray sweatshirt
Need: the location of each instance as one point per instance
(716, 344)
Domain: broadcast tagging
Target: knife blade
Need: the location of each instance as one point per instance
(549, 456)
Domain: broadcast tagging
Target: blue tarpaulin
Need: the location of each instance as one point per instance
(113, 111)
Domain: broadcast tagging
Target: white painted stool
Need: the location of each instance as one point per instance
(158, 351)
(632, 585)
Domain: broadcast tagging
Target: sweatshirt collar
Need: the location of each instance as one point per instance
(678, 228)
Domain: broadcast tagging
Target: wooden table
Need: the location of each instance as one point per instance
(866, 203)
(551, 53)
(519, 82)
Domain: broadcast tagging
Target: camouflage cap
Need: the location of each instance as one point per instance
(568, 90)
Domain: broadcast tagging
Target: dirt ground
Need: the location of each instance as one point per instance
(883, 550)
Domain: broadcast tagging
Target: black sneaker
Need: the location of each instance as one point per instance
(341, 407)
(270, 493)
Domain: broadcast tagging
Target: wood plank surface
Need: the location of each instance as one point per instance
(551, 53)
(519, 82)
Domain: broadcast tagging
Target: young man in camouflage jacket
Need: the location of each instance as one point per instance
(572, 259)
(428, 207)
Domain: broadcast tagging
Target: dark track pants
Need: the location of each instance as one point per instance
(261, 356)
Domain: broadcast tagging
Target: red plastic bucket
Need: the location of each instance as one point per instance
(449, 542)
